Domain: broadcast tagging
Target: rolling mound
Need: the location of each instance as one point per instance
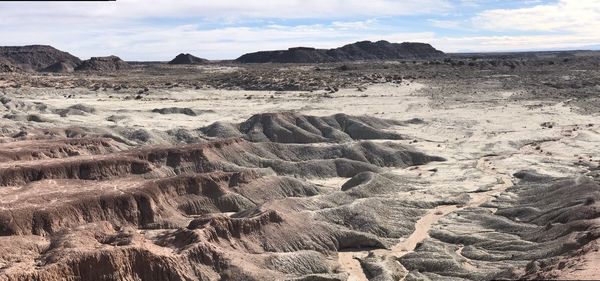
(359, 51)
(188, 59)
(291, 127)
(110, 63)
(36, 57)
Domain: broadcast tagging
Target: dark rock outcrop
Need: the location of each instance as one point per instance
(110, 63)
(364, 50)
(36, 57)
(60, 67)
(188, 59)
(175, 110)
(6, 66)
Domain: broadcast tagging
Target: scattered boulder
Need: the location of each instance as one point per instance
(116, 118)
(76, 109)
(548, 125)
(175, 110)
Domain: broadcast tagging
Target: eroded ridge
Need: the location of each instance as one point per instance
(219, 210)
(289, 127)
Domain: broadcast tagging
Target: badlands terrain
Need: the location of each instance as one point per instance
(433, 167)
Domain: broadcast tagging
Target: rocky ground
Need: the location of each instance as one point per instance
(453, 169)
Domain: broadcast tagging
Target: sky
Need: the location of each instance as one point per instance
(225, 29)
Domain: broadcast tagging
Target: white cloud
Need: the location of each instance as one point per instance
(560, 25)
(131, 9)
(513, 42)
(354, 25)
(448, 24)
(577, 16)
(154, 30)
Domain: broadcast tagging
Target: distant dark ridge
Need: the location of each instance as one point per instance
(188, 59)
(110, 63)
(364, 50)
(525, 54)
(36, 57)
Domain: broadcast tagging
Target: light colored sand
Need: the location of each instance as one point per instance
(351, 265)
(588, 267)
(333, 183)
(422, 228)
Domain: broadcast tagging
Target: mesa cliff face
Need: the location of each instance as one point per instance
(359, 51)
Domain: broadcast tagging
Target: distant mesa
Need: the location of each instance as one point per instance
(188, 59)
(359, 51)
(60, 67)
(110, 63)
(36, 57)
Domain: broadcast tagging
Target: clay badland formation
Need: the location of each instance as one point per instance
(373, 161)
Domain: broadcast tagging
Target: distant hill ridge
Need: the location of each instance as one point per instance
(188, 59)
(109, 63)
(36, 57)
(364, 50)
(48, 59)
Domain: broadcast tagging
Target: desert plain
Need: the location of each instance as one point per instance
(469, 167)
